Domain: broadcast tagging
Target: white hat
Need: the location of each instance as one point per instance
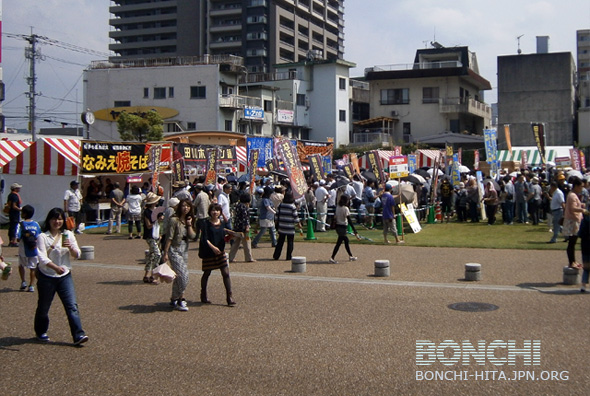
(322, 182)
(14, 186)
(152, 198)
(172, 202)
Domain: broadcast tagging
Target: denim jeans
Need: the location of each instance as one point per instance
(47, 286)
(521, 212)
(508, 212)
(273, 237)
(557, 215)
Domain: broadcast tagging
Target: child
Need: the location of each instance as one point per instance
(27, 233)
(151, 234)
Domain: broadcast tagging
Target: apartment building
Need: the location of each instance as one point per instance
(262, 32)
(442, 91)
(583, 53)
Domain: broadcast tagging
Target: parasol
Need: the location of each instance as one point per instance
(415, 179)
(406, 191)
(463, 169)
(431, 171)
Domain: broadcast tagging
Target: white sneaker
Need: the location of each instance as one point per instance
(23, 286)
(181, 305)
(31, 289)
(332, 261)
(352, 258)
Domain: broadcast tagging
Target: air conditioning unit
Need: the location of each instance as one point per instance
(394, 113)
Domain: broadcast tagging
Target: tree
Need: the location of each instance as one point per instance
(146, 127)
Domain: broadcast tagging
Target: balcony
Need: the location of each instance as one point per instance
(238, 101)
(225, 27)
(469, 106)
(371, 136)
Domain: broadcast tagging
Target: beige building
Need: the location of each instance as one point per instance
(441, 91)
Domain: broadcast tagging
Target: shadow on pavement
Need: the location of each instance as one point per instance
(6, 343)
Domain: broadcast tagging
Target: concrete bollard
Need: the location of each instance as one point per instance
(298, 264)
(571, 276)
(472, 272)
(381, 267)
(87, 252)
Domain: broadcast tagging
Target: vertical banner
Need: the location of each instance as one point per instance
(582, 159)
(479, 178)
(412, 163)
(349, 170)
(476, 160)
(455, 174)
(397, 151)
(155, 156)
(288, 152)
(410, 215)
(375, 165)
(434, 181)
(252, 166)
(539, 134)
(460, 155)
(317, 167)
(211, 171)
(575, 158)
(354, 160)
(507, 136)
(491, 145)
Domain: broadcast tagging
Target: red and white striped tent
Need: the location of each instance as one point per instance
(9, 149)
(428, 157)
(46, 156)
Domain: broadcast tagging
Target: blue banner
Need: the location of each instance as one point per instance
(490, 137)
(412, 163)
(455, 174)
(264, 144)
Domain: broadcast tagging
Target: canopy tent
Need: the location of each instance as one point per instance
(46, 156)
(428, 157)
(533, 155)
(9, 149)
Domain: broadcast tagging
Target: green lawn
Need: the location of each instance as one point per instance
(453, 234)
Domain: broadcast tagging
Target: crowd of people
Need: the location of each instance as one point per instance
(214, 214)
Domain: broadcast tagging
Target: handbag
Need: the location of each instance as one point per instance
(164, 272)
(6, 208)
(70, 223)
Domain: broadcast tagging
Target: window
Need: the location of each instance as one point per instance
(146, 92)
(191, 126)
(395, 96)
(268, 105)
(198, 92)
(170, 92)
(159, 93)
(342, 83)
(430, 95)
(300, 99)
(228, 125)
(122, 103)
(342, 115)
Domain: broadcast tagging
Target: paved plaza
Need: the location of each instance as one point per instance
(334, 330)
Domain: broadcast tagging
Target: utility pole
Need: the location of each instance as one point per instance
(32, 55)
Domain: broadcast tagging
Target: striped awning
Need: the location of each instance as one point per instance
(533, 156)
(242, 158)
(47, 156)
(9, 149)
(428, 157)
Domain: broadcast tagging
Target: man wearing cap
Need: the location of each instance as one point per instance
(117, 203)
(321, 196)
(15, 203)
(73, 202)
(180, 191)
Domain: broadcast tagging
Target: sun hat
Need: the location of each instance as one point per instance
(172, 202)
(152, 198)
(14, 186)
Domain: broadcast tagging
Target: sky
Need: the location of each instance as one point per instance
(377, 32)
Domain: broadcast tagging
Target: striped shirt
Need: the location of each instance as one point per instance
(286, 218)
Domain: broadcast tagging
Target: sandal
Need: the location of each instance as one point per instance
(146, 279)
(153, 281)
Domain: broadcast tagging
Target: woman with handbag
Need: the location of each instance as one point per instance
(55, 247)
(211, 250)
(180, 230)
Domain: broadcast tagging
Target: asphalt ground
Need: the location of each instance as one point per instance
(334, 330)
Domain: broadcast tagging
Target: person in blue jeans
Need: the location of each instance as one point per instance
(584, 235)
(266, 218)
(56, 245)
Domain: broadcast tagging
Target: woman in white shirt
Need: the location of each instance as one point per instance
(55, 246)
(134, 214)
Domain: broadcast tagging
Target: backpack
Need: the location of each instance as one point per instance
(29, 238)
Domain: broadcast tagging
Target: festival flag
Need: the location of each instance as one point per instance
(507, 136)
(375, 165)
(582, 159)
(524, 159)
(317, 167)
(455, 174)
(397, 151)
(211, 171)
(460, 155)
(412, 163)
(490, 137)
(476, 160)
(252, 165)
(288, 152)
(354, 160)
(575, 158)
(349, 170)
(155, 156)
(539, 134)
